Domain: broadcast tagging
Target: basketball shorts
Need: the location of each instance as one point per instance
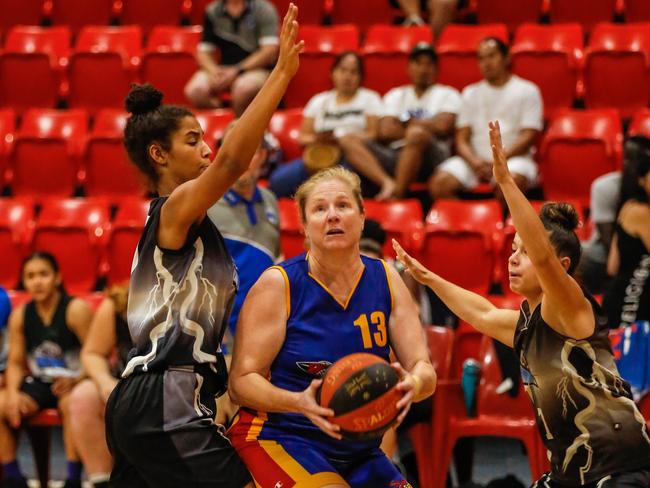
(295, 461)
(161, 433)
(631, 479)
(40, 392)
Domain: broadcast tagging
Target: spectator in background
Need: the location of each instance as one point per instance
(418, 122)
(627, 299)
(46, 334)
(412, 10)
(239, 46)
(104, 355)
(345, 118)
(5, 310)
(516, 103)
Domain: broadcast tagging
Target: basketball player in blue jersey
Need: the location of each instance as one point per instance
(595, 435)
(159, 418)
(304, 315)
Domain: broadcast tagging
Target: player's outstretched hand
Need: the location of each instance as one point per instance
(415, 268)
(288, 59)
(406, 385)
(500, 167)
(309, 407)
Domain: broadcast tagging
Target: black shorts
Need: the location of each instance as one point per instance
(630, 479)
(161, 433)
(434, 154)
(40, 392)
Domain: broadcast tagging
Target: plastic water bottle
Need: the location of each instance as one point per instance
(469, 384)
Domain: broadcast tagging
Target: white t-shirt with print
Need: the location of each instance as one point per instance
(343, 118)
(403, 102)
(516, 105)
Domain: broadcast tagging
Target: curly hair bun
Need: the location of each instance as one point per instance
(143, 99)
(561, 214)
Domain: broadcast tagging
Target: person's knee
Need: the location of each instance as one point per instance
(443, 185)
(83, 401)
(197, 90)
(349, 141)
(417, 136)
(246, 86)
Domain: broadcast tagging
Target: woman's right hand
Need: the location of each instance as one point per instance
(418, 271)
(309, 407)
(288, 59)
(18, 406)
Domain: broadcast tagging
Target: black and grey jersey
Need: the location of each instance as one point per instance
(585, 412)
(179, 300)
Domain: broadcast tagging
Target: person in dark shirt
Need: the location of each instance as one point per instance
(595, 435)
(244, 34)
(46, 334)
(159, 418)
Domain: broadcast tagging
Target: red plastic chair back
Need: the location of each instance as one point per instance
(125, 234)
(363, 13)
(214, 123)
(549, 55)
(16, 223)
(168, 38)
(510, 12)
(79, 13)
(456, 48)
(7, 131)
(585, 12)
(148, 13)
(20, 12)
(637, 11)
(640, 124)
(292, 239)
(401, 220)
(285, 126)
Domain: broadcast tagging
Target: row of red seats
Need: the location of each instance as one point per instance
(364, 13)
(54, 152)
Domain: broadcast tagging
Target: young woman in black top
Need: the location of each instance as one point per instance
(159, 418)
(46, 334)
(594, 433)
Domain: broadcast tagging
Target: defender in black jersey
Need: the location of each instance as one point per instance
(159, 418)
(595, 435)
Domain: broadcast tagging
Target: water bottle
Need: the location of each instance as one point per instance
(469, 384)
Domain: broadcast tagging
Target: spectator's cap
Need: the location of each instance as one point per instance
(373, 237)
(423, 48)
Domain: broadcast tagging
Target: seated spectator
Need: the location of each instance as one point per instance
(345, 118)
(412, 10)
(104, 355)
(244, 34)
(5, 310)
(46, 334)
(627, 299)
(418, 122)
(516, 103)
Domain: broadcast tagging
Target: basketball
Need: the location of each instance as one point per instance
(360, 388)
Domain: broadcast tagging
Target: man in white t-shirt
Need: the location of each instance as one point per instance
(418, 122)
(517, 105)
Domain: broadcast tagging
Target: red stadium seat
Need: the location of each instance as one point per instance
(637, 11)
(7, 130)
(77, 14)
(170, 60)
(47, 152)
(578, 147)
(214, 123)
(640, 124)
(292, 239)
(103, 66)
(401, 219)
(459, 242)
(511, 12)
(549, 56)
(285, 126)
(109, 172)
(148, 13)
(617, 67)
(385, 54)
(498, 415)
(457, 52)
(125, 234)
(198, 11)
(18, 298)
(20, 12)
(74, 231)
(585, 12)
(16, 222)
(322, 44)
(31, 66)
(363, 13)
(310, 11)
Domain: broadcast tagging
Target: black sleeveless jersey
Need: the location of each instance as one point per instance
(585, 412)
(52, 350)
(179, 300)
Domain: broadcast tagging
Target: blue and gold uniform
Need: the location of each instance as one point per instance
(287, 449)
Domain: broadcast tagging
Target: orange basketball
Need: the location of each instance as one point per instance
(360, 388)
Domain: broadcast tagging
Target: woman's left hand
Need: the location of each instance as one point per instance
(407, 385)
(63, 385)
(500, 167)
